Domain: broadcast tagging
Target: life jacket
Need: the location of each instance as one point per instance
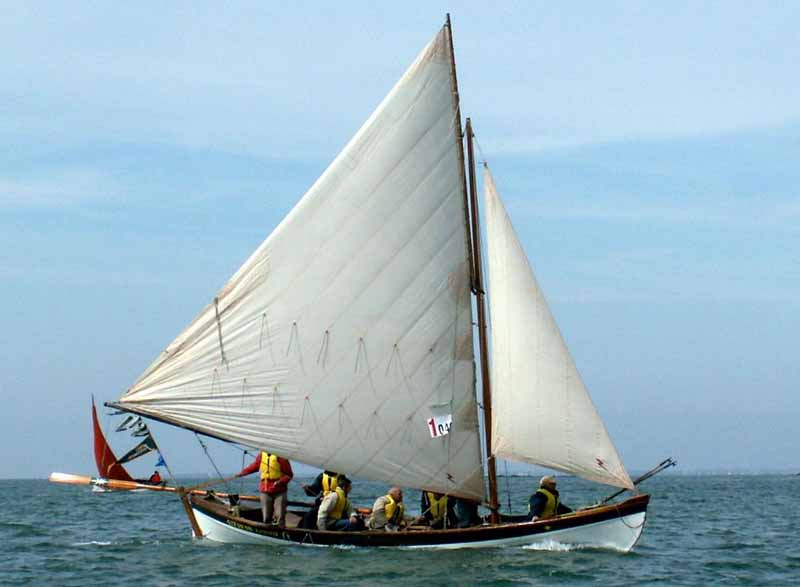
(270, 467)
(551, 507)
(438, 507)
(330, 481)
(341, 505)
(393, 511)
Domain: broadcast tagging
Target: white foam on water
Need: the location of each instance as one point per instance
(92, 543)
(551, 546)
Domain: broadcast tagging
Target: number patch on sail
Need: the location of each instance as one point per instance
(440, 425)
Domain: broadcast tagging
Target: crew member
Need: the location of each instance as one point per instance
(438, 510)
(466, 513)
(322, 485)
(336, 512)
(545, 502)
(387, 512)
(276, 473)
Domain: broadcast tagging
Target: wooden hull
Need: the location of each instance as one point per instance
(616, 527)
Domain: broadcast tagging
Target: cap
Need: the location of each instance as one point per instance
(547, 480)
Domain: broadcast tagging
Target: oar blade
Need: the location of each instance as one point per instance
(70, 479)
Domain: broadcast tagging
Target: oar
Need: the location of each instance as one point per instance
(120, 484)
(111, 483)
(71, 479)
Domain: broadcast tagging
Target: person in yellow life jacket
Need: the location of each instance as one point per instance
(545, 503)
(438, 510)
(336, 512)
(276, 473)
(322, 485)
(387, 512)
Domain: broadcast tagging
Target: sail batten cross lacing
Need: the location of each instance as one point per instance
(294, 338)
(265, 326)
(367, 438)
(323, 350)
(219, 331)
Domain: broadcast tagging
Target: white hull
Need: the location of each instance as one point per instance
(619, 534)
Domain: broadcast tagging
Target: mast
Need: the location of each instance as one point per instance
(474, 253)
(480, 296)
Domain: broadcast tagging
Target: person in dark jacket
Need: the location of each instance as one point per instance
(325, 482)
(466, 512)
(545, 503)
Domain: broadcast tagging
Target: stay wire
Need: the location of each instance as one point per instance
(213, 464)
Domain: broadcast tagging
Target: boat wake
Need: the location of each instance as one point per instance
(552, 546)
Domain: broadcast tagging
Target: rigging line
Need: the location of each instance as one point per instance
(241, 479)
(508, 485)
(213, 464)
(158, 450)
(480, 151)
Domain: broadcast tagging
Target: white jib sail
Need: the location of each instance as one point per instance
(350, 326)
(541, 411)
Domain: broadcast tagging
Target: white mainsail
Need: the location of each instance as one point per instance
(541, 411)
(350, 326)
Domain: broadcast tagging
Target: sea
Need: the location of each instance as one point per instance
(701, 530)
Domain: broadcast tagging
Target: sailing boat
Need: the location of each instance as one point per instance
(346, 342)
(108, 465)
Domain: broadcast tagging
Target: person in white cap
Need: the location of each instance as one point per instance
(545, 502)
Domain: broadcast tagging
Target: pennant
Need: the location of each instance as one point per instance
(126, 423)
(141, 449)
(161, 462)
(140, 429)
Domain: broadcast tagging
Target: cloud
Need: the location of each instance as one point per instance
(62, 188)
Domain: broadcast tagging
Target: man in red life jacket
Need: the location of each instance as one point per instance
(155, 478)
(276, 472)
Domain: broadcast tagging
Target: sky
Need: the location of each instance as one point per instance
(647, 153)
